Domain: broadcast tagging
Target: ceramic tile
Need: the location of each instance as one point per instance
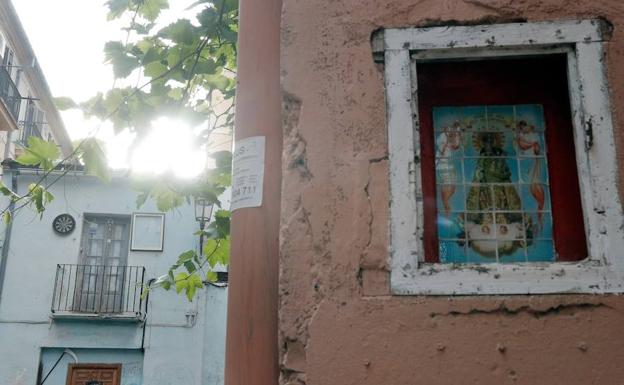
(540, 251)
(491, 165)
(500, 118)
(449, 171)
(451, 226)
(449, 144)
(539, 225)
(452, 252)
(533, 170)
(535, 197)
(531, 114)
(511, 252)
(450, 197)
(481, 251)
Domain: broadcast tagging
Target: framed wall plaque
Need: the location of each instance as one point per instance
(148, 231)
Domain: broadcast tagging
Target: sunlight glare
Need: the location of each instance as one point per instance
(168, 147)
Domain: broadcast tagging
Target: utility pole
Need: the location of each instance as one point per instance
(251, 349)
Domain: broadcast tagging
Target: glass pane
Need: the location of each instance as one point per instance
(492, 194)
(452, 252)
(451, 197)
(451, 226)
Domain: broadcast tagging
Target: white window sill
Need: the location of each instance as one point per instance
(496, 278)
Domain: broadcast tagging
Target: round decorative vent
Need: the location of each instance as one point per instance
(64, 224)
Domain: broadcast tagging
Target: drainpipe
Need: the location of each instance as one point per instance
(7, 231)
(7, 145)
(251, 356)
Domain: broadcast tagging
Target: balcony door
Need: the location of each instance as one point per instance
(104, 255)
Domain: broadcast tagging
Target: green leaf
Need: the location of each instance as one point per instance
(116, 54)
(6, 217)
(190, 266)
(154, 69)
(186, 256)
(94, 158)
(47, 197)
(229, 35)
(36, 197)
(211, 276)
(141, 198)
(39, 153)
(145, 45)
(195, 280)
(223, 160)
(166, 199)
(208, 17)
(206, 66)
(181, 32)
(152, 8)
(181, 282)
(116, 8)
(190, 292)
(152, 54)
(219, 82)
(221, 223)
(64, 103)
(217, 251)
(7, 192)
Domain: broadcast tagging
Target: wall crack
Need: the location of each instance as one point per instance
(503, 309)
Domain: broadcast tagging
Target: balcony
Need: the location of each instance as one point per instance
(99, 292)
(9, 94)
(28, 129)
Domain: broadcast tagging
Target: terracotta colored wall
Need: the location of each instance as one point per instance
(338, 322)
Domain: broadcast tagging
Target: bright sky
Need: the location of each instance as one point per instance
(68, 37)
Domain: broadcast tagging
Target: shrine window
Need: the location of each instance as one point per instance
(499, 175)
(502, 164)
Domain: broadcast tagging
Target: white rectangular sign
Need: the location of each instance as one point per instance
(248, 172)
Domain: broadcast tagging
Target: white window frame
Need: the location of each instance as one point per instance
(582, 42)
(136, 241)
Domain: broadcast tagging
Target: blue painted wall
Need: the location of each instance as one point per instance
(131, 361)
(179, 348)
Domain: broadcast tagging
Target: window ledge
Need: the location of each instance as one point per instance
(496, 278)
(113, 317)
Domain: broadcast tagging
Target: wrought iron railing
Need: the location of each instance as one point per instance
(99, 290)
(28, 129)
(9, 93)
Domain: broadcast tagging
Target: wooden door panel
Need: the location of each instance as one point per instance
(94, 374)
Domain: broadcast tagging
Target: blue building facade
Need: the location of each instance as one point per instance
(71, 301)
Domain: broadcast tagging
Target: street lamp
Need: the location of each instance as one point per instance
(203, 213)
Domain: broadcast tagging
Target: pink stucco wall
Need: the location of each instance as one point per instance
(338, 322)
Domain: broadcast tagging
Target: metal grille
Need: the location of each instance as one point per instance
(99, 289)
(9, 93)
(28, 129)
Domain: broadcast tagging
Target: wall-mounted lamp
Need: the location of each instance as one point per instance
(203, 213)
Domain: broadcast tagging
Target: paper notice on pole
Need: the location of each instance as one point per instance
(248, 172)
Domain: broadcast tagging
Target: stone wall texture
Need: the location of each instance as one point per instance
(338, 322)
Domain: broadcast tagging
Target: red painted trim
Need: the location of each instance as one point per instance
(540, 80)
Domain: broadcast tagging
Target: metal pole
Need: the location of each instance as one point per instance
(251, 345)
(202, 226)
(4, 256)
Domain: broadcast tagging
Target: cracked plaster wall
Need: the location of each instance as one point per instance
(338, 322)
